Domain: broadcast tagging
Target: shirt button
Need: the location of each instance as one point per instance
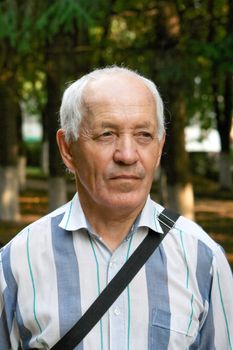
(112, 264)
(117, 311)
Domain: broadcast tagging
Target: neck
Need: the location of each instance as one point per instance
(111, 227)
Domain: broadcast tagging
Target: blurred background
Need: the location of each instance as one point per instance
(184, 46)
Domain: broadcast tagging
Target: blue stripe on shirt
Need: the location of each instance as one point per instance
(4, 341)
(10, 299)
(68, 284)
(205, 339)
(157, 284)
(10, 292)
(203, 269)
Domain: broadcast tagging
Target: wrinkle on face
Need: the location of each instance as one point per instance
(106, 175)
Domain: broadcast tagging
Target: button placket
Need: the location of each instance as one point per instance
(117, 311)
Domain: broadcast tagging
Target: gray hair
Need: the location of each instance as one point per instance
(72, 109)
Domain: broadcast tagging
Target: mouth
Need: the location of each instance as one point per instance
(125, 177)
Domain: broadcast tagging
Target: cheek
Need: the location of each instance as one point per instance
(150, 160)
(92, 169)
(156, 156)
(101, 160)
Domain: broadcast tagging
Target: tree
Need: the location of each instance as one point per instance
(17, 44)
(212, 45)
(171, 68)
(63, 34)
(222, 85)
(9, 110)
(9, 187)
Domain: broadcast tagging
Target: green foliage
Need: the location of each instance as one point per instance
(8, 21)
(62, 15)
(33, 95)
(16, 24)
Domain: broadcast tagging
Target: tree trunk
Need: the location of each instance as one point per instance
(45, 142)
(57, 184)
(9, 189)
(62, 66)
(223, 115)
(45, 157)
(223, 119)
(225, 175)
(22, 163)
(176, 163)
(57, 192)
(22, 160)
(181, 199)
(178, 193)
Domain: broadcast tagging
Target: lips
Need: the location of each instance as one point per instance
(125, 177)
(126, 174)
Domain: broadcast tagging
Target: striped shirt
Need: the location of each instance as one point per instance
(55, 268)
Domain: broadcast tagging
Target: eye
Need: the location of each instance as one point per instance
(144, 136)
(107, 135)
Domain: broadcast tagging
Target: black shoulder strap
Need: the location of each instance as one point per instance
(116, 286)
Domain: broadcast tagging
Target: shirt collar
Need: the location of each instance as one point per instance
(74, 218)
(149, 216)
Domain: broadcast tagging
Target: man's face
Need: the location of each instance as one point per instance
(117, 150)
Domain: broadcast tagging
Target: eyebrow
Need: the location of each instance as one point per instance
(109, 124)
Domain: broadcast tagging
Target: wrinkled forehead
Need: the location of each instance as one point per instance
(124, 101)
(119, 89)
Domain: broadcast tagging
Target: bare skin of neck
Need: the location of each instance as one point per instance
(112, 228)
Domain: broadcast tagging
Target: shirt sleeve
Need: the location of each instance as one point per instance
(217, 330)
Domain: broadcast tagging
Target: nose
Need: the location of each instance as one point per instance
(126, 150)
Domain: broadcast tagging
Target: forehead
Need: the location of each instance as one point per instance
(119, 87)
(111, 97)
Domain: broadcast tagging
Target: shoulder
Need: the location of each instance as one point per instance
(198, 246)
(188, 232)
(34, 245)
(195, 232)
(38, 232)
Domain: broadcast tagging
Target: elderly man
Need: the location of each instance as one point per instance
(111, 139)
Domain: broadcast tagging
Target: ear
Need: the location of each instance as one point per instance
(64, 149)
(161, 144)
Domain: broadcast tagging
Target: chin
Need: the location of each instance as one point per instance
(127, 201)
